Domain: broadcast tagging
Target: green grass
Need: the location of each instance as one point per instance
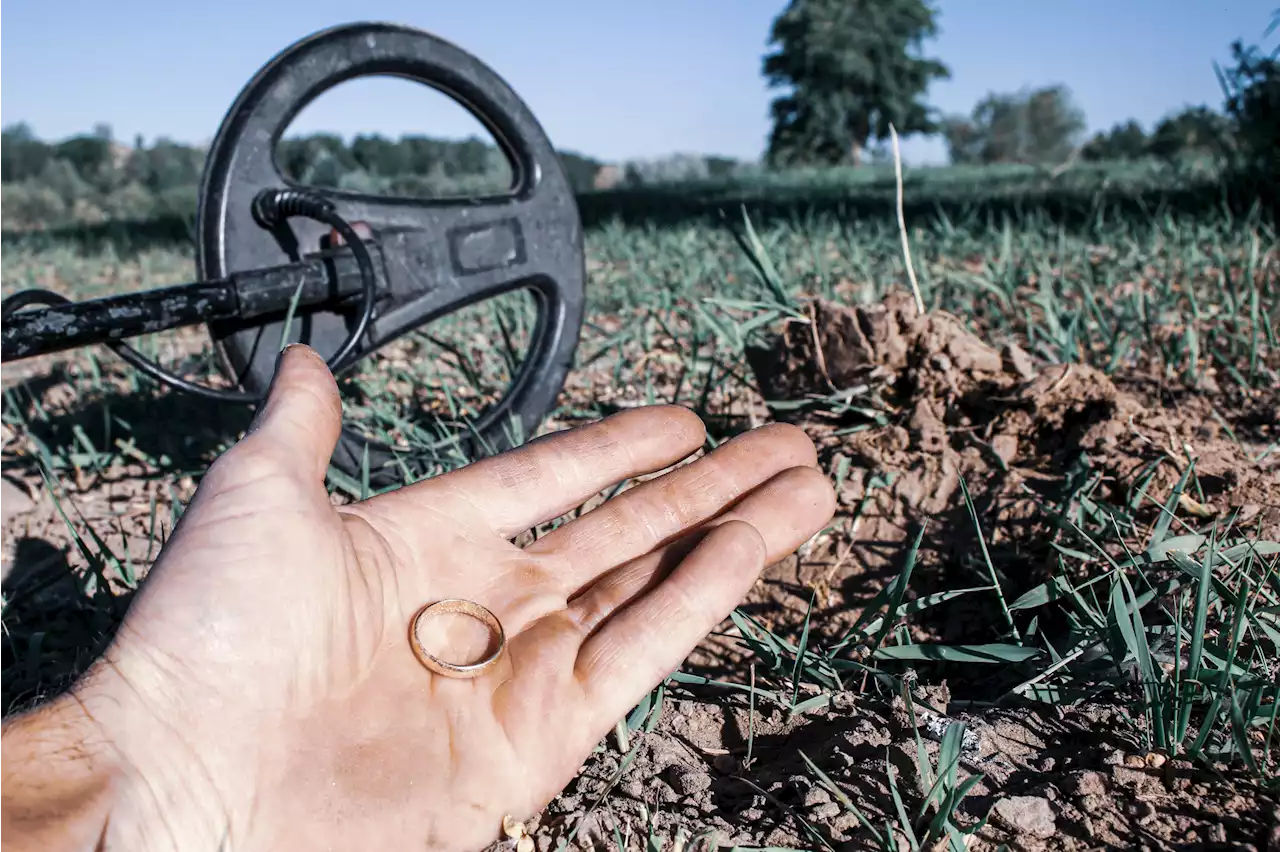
(1176, 621)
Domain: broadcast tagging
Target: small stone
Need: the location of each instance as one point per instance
(779, 838)
(1129, 777)
(688, 782)
(844, 702)
(1155, 760)
(1048, 764)
(633, 789)
(1088, 783)
(824, 812)
(1134, 761)
(817, 795)
(1006, 447)
(1027, 814)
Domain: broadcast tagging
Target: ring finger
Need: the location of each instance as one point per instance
(661, 510)
(786, 510)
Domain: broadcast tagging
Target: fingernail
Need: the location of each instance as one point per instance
(275, 374)
(286, 348)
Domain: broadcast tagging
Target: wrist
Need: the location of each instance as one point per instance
(165, 799)
(60, 779)
(98, 769)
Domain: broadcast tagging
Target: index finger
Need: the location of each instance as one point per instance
(542, 480)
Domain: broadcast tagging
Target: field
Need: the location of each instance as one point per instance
(1046, 615)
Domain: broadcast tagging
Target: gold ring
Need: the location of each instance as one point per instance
(466, 607)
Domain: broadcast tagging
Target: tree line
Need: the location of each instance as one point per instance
(850, 69)
(93, 177)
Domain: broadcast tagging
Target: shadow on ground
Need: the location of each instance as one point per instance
(174, 432)
(57, 621)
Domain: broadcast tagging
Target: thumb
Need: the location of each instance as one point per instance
(301, 419)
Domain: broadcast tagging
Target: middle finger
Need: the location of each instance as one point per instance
(663, 509)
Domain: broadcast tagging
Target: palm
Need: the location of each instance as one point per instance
(303, 612)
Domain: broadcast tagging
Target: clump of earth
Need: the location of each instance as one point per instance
(935, 405)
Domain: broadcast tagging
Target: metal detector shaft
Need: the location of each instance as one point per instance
(321, 280)
(43, 331)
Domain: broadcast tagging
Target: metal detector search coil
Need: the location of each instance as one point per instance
(260, 245)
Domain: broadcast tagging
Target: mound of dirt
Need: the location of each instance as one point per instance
(1022, 436)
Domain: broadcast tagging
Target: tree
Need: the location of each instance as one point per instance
(1029, 126)
(380, 156)
(90, 156)
(580, 169)
(721, 167)
(1126, 141)
(164, 165)
(22, 155)
(853, 67)
(1194, 130)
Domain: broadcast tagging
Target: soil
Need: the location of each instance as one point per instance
(921, 405)
(1051, 782)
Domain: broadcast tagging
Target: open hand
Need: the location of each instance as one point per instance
(262, 692)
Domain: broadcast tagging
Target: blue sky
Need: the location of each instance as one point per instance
(611, 79)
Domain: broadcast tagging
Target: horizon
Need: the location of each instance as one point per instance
(705, 95)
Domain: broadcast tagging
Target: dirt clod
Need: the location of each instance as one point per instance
(1030, 815)
(1087, 783)
(688, 782)
(952, 407)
